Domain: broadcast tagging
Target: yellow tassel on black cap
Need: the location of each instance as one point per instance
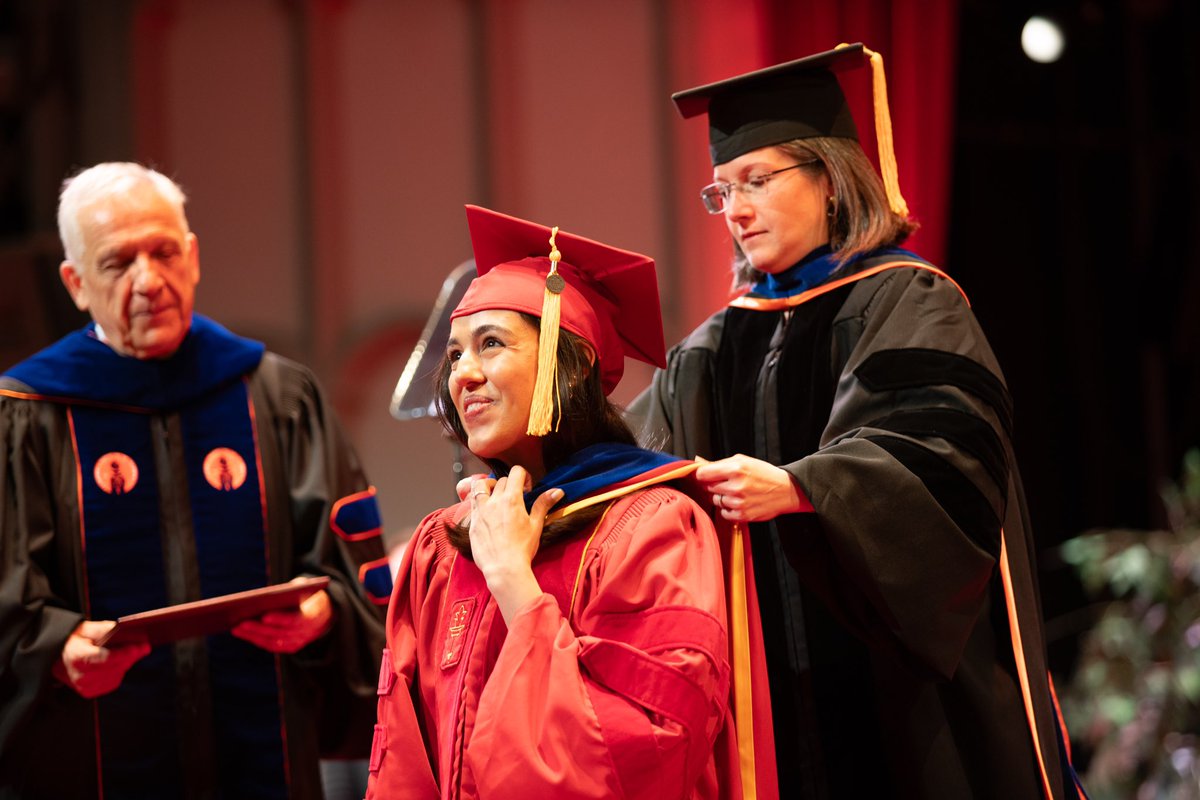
(541, 409)
(883, 134)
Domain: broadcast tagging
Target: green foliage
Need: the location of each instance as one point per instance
(1134, 702)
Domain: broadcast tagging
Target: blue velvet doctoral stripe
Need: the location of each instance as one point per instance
(232, 556)
(377, 581)
(231, 549)
(124, 563)
(123, 548)
(81, 367)
(598, 467)
(815, 269)
(359, 520)
(359, 516)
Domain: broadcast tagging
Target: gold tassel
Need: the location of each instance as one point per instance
(541, 409)
(883, 135)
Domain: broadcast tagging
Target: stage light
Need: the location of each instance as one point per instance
(1042, 40)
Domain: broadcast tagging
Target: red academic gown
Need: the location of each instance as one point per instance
(614, 683)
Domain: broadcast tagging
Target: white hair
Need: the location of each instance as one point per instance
(102, 182)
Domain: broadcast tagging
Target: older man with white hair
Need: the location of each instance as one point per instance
(151, 459)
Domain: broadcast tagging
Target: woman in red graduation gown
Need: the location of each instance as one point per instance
(563, 631)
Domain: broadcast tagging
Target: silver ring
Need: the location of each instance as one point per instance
(717, 500)
(480, 492)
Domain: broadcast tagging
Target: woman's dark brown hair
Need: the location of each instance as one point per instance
(588, 417)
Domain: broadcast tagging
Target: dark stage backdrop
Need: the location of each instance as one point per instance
(1073, 226)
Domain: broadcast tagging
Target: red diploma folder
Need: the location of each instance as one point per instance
(214, 615)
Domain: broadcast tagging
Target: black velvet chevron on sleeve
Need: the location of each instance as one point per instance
(957, 496)
(910, 367)
(963, 430)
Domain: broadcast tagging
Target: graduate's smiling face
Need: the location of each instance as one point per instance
(138, 272)
(785, 220)
(493, 367)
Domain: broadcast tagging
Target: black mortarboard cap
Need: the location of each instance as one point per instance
(800, 99)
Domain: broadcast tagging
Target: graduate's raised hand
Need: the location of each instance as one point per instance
(747, 489)
(289, 631)
(92, 670)
(504, 538)
(463, 487)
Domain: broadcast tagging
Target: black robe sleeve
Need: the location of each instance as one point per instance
(35, 619)
(304, 444)
(910, 482)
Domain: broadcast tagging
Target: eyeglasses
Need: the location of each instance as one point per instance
(716, 195)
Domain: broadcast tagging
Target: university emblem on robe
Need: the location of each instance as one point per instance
(224, 469)
(115, 473)
(456, 630)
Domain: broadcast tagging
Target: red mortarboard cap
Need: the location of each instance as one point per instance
(610, 297)
(796, 100)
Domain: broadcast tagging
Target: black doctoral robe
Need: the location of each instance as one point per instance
(128, 485)
(892, 666)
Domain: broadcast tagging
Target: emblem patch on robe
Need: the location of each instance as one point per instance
(456, 629)
(115, 473)
(387, 675)
(224, 469)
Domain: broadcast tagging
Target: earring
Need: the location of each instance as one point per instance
(831, 207)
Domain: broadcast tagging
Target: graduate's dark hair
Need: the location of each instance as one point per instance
(588, 418)
(861, 219)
